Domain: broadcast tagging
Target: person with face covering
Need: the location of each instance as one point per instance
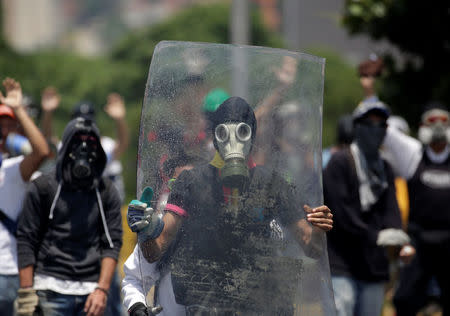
(210, 233)
(359, 187)
(70, 231)
(426, 166)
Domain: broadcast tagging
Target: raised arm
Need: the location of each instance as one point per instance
(115, 108)
(49, 103)
(37, 141)
(286, 77)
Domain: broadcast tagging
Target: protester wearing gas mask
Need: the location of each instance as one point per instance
(227, 192)
(359, 187)
(15, 172)
(69, 232)
(426, 166)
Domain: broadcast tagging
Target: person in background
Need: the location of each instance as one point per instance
(426, 167)
(70, 231)
(344, 138)
(369, 70)
(15, 172)
(115, 108)
(359, 188)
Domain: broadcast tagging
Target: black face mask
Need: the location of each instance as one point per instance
(369, 138)
(83, 154)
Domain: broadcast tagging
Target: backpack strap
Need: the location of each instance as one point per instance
(10, 225)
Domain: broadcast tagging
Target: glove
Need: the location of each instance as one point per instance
(392, 237)
(138, 309)
(27, 301)
(142, 219)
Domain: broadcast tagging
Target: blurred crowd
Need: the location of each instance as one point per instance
(389, 193)
(61, 198)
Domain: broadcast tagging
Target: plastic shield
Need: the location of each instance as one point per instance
(243, 249)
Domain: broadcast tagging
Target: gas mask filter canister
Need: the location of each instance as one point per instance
(83, 154)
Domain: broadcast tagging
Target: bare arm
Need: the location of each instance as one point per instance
(115, 108)
(153, 250)
(37, 141)
(286, 76)
(26, 276)
(96, 301)
(49, 103)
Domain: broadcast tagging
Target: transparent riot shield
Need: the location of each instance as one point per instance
(243, 245)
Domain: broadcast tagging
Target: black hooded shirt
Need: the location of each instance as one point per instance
(66, 229)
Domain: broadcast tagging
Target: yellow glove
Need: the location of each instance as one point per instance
(27, 301)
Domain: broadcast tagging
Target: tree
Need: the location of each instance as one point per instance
(418, 29)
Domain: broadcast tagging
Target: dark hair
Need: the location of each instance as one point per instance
(234, 109)
(371, 67)
(84, 109)
(345, 129)
(434, 105)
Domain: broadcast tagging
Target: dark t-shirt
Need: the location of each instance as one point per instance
(228, 248)
(429, 191)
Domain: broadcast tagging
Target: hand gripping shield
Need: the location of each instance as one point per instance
(244, 246)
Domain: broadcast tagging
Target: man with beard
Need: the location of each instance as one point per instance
(69, 232)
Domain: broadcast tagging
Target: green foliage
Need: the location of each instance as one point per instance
(199, 23)
(126, 70)
(342, 92)
(419, 30)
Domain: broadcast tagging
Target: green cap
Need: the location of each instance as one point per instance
(213, 99)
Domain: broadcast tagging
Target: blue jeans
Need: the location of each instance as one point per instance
(56, 304)
(9, 284)
(358, 298)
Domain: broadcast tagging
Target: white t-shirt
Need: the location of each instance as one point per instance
(140, 276)
(113, 166)
(12, 193)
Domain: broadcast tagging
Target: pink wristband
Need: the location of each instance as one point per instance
(177, 210)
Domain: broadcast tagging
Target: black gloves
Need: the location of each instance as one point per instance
(138, 309)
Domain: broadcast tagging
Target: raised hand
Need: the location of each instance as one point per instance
(115, 106)
(50, 99)
(13, 97)
(287, 72)
(142, 219)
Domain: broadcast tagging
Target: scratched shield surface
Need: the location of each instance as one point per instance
(240, 249)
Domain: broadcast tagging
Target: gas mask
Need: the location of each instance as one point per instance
(435, 127)
(83, 154)
(234, 142)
